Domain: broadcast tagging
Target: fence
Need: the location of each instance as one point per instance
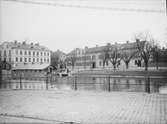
(97, 83)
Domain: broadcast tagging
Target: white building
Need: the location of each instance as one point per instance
(22, 54)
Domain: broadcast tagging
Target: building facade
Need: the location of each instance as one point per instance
(26, 59)
(20, 54)
(93, 58)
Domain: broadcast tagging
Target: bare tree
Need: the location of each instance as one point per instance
(144, 47)
(127, 56)
(55, 60)
(155, 54)
(115, 57)
(72, 59)
(105, 54)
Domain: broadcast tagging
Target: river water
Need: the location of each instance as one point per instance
(104, 84)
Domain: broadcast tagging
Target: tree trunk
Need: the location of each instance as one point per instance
(72, 67)
(103, 63)
(157, 65)
(114, 66)
(146, 65)
(0, 75)
(127, 65)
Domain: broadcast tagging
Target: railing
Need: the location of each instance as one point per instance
(105, 83)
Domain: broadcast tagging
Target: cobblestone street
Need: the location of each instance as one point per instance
(86, 107)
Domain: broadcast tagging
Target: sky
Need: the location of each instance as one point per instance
(66, 28)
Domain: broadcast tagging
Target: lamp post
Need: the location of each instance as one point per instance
(0, 74)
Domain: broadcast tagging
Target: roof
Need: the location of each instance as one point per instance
(120, 46)
(31, 67)
(24, 45)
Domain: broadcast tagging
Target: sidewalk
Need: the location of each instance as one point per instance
(86, 107)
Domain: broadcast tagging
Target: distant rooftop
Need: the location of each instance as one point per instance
(24, 45)
(97, 48)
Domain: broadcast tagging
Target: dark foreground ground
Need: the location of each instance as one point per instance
(58, 106)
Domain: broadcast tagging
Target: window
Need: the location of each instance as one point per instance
(41, 54)
(41, 61)
(16, 59)
(33, 53)
(44, 60)
(48, 60)
(33, 59)
(44, 54)
(9, 59)
(48, 53)
(25, 59)
(29, 59)
(5, 59)
(37, 53)
(25, 53)
(29, 53)
(37, 59)
(9, 52)
(20, 59)
(4, 52)
(20, 52)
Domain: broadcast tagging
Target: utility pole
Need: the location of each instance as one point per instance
(166, 7)
(0, 74)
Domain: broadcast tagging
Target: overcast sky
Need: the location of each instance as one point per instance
(66, 28)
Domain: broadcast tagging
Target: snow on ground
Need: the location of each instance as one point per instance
(85, 107)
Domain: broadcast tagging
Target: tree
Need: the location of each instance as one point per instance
(115, 57)
(155, 54)
(71, 59)
(126, 56)
(144, 47)
(105, 55)
(55, 59)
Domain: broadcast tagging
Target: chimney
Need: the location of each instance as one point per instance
(24, 42)
(137, 40)
(108, 44)
(127, 41)
(15, 41)
(37, 44)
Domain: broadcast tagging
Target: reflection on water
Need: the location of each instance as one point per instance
(95, 83)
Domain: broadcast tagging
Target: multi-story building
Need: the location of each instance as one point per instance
(23, 56)
(88, 58)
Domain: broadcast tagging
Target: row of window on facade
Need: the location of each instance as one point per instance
(33, 53)
(5, 53)
(31, 60)
(89, 63)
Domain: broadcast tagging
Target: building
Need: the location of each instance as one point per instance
(89, 58)
(25, 57)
